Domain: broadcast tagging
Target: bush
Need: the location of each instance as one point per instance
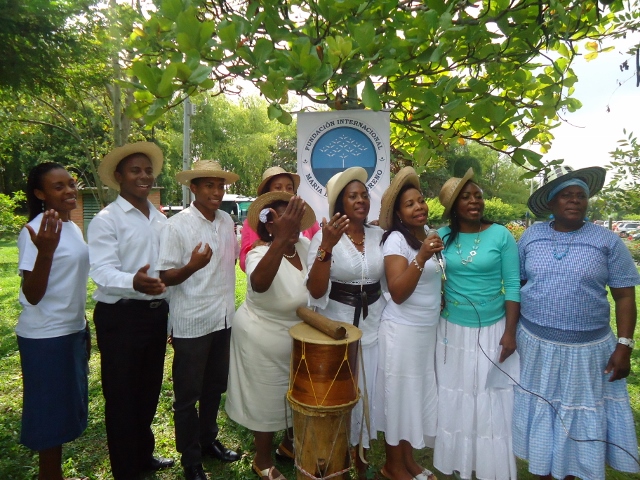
(10, 223)
(516, 230)
(634, 248)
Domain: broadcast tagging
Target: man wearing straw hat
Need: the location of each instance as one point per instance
(198, 249)
(130, 313)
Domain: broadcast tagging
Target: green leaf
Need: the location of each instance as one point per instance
(274, 111)
(171, 8)
(200, 74)
(262, 50)
(228, 36)
(146, 76)
(370, 97)
(166, 83)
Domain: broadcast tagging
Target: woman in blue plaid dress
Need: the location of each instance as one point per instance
(572, 413)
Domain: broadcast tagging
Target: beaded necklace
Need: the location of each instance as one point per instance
(556, 254)
(472, 253)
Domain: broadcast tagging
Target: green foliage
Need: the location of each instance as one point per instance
(498, 211)
(516, 230)
(10, 222)
(39, 40)
(495, 73)
(436, 210)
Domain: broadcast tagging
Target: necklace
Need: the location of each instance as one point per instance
(360, 243)
(295, 252)
(472, 252)
(556, 254)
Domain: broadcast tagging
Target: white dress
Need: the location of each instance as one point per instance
(406, 401)
(350, 266)
(261, 346)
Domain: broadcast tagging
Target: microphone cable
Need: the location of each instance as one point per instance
(555, 410)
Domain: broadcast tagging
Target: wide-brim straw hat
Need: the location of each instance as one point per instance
(108, 165)
(253, 215)
(594, 177)
(405, 176)
(271, 172)
(204, 169)
(341, 180)
(451, 189)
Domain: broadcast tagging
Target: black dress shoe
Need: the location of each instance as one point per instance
(215, 449)
(158, 463)
(194, 472)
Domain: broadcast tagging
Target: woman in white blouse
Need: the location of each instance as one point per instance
(345, 269)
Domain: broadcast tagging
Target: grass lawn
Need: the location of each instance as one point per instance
(88, 456)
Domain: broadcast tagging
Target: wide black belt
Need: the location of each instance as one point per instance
(358, 296)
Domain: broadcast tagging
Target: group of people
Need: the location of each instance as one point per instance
(441, 315)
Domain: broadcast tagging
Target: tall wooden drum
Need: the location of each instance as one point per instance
(323, 389)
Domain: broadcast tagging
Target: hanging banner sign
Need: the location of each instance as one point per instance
(331, 142)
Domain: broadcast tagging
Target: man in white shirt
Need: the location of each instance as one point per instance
(131, 311)
(198, 250)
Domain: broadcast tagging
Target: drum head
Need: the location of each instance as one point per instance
(306, 333)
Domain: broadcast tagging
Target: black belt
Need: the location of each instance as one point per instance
(142, 303)
(358, 296)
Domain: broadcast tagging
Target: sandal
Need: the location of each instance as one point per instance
(426, 474)
(267, 472)
(284, 454)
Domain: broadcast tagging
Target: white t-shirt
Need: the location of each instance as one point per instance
(61, 311)
(423, 306)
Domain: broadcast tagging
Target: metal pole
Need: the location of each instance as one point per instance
(186, 148)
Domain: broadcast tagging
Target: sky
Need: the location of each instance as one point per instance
(590, 133)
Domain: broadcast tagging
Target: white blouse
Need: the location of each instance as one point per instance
(348, 265)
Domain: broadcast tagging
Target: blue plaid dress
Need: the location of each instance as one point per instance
(565, 341)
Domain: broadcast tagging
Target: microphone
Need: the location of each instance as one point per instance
(434, 233)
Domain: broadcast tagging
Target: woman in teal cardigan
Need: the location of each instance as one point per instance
(477, 327)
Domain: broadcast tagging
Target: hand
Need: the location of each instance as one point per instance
(333, 229)
(619, 363)
(508, 342)
(200, 259)
(286, 228)
(48, 237)
(145, 284)
(429, 247)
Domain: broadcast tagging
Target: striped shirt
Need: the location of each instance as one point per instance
(204, 302)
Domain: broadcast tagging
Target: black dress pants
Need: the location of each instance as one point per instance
(200, 371)
(132, 339)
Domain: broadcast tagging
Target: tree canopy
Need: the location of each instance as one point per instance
(493, 72)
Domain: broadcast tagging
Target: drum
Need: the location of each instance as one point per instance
(324, 371)
(323, 389)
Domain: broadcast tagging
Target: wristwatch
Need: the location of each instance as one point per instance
(629, 342)
(322, 255)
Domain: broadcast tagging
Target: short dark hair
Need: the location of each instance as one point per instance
(121, 163)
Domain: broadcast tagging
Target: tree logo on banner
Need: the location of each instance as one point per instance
(337, 145)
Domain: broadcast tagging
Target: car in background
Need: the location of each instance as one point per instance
(624, 229)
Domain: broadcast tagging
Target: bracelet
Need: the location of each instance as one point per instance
(415, 262)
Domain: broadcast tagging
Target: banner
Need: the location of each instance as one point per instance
(331, 142)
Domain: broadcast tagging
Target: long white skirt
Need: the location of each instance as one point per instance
(406, 403)
(474, 422)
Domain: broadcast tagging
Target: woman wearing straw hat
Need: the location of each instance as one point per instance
(406, 402)
(260, 341)
(568, 353)
(477, 328)
(345, 269)
(274, 179)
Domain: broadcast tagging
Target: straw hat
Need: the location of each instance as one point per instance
(253, 215)
(451, 189)
(206, 168)
(405, 176)
(111, 160)
(593, 176)
(341, 180)
(271, 172)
